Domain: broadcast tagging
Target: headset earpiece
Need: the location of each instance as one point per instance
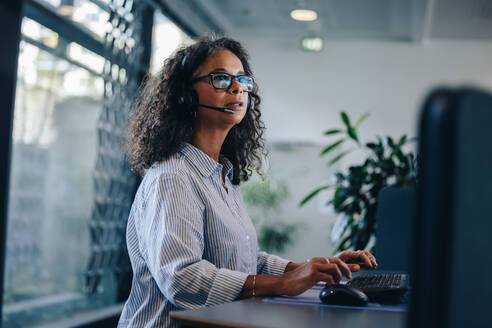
(192, 97)
(190, 101)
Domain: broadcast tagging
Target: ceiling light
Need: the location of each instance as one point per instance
(314, 44)
(304, 15)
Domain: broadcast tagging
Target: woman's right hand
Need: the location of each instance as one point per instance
(307, 274)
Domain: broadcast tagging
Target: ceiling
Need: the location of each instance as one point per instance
(396, 20)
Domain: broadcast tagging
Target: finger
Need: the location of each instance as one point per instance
(365, 259)
(318, 260)
(328, 278)
(331, 269)
(335, 272)
(354, 267)
(344, 255)
(372, 258)
(348, 256)
(342, 266)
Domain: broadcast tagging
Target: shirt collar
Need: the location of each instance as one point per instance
(203, 163)
(227, 165)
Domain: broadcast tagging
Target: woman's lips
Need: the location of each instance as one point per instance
(235, 105)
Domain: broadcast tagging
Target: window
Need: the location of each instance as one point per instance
(70, 106)
(86, 13)
(166, 38)
(70, 185)
(50, 196)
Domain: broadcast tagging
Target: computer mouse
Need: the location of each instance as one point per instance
(343, 295)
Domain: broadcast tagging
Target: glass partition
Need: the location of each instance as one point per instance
(90, 16)
(70, 185)
(51, 190)
(166, 38)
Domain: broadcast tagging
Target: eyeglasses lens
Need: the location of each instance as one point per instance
(225, 81)
(221, 81)
(247, 82)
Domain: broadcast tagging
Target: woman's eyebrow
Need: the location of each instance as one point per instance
(225, 71)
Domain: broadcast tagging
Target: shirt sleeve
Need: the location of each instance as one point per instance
(271, 264)
(172, 233)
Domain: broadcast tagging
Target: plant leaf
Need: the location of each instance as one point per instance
(361, 119)
(338, 157)
(345, 119)
(339, 197)
(334, 131)
(332, 146)
(312, 194)
(390, 141)
(347, 239)
(352, 133)
(402, 141)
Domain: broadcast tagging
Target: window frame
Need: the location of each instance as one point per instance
(10, 20)
(11, 15)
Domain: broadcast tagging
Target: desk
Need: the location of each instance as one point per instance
(253, 312)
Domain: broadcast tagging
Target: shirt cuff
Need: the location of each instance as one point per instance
(275, 265)
(226, 287)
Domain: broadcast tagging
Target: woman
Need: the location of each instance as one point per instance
(196, 132)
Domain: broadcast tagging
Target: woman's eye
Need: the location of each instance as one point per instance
(247, 82)
(222, 77)
(222, 80)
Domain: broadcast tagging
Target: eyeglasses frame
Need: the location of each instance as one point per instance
(233, 78)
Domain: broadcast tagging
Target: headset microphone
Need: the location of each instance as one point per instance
(220, 109)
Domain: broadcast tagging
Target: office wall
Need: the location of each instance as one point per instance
(303, 94)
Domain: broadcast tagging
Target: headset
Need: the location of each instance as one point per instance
(191, 97)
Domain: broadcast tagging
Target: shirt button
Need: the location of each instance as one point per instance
(247, 237)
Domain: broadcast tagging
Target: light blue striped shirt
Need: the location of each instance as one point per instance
(190, 240)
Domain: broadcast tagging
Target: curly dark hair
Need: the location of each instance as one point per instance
(162, 117)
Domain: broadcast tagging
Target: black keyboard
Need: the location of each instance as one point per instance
(384, 288)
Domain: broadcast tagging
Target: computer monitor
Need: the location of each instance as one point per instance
(452, 266)
(395, 216)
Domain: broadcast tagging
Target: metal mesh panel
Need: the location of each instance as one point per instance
(114, 183)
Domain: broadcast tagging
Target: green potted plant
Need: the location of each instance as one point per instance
(356, 189)
(264, 195)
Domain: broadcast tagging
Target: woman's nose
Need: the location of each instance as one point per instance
(236, 87)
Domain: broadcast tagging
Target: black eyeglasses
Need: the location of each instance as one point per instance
(223, 81)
